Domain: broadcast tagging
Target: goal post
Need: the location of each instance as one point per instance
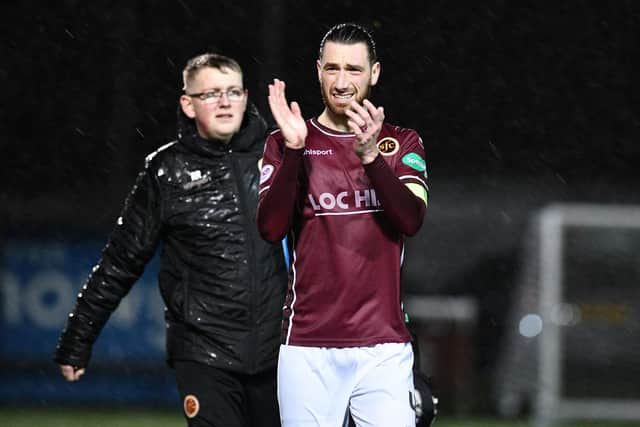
(573, 343)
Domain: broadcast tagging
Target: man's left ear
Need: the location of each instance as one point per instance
(187, 106)
(375, 73)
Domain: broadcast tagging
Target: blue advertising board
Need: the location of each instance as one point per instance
(40, 280)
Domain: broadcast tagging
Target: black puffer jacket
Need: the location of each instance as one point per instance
(223, 286)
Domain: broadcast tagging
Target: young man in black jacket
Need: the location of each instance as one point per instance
(222, 285)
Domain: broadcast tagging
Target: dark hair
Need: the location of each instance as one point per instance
(350, 33)
(208, 60)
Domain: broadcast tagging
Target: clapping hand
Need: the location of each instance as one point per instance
(365, 121)
(288, 118)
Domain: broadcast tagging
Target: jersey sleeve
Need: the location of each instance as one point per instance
(411, 169)
(278, 188)
(401, 185)
(271, 160)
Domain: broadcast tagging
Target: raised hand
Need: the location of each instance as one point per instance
(289, 119)
(365, 121)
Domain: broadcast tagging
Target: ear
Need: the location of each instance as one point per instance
(375, 73)
(319, 69)
(186, 103)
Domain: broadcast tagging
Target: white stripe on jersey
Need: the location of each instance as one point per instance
(293, 287)
(348, 213)
(338, 135)
(413, 177)
(263, 189)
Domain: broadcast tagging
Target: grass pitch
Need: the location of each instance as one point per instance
(81, 417)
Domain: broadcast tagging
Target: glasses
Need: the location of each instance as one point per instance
(214, 96)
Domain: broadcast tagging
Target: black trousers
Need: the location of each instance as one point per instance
(213, 397)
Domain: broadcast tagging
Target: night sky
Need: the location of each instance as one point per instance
(498, 90)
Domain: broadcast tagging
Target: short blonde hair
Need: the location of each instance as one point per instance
(209, 60)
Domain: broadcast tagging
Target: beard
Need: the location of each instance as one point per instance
(338, 110)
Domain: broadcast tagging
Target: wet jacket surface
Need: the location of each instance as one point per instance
(222, 285)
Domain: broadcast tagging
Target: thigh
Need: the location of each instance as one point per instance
(211, 397)
(384, 395)
(262, 399)
(313, 387)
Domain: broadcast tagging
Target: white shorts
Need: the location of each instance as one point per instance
(317, 385)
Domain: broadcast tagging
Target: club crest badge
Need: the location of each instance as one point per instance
(191, 406)
(388, 146)
(265, 173)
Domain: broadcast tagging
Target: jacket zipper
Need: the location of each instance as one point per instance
(251, 262)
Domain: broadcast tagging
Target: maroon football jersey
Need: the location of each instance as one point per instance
(345, 275)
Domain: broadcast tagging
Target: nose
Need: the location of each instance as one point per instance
(224, 99)
(341, 80)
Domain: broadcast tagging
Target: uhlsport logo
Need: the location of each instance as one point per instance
(316, 152)
(388, 146)
(191, 406)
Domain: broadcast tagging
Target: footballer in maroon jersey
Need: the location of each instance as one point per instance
(346, 188)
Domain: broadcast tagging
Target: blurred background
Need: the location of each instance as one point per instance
(525, 108)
